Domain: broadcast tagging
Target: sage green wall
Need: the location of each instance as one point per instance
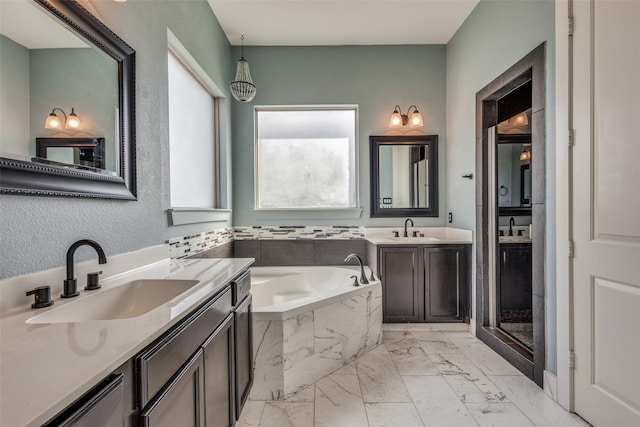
(14, 96)
(83, 79)
(36, 231)
(495, 36)
(376, 78)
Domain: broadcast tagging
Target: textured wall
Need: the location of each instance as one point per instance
(376, 78)
(36, 231)
(495, 36)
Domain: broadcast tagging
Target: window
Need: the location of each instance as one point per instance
(193, 135)
(306, 158)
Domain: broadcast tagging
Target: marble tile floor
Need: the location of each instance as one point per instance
(417, 378)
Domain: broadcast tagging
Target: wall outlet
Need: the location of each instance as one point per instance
(450, 217)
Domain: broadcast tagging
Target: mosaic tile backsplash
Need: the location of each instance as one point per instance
(333, 232)
(182, 247)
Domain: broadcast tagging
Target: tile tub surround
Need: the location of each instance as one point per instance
(292, 353)
(42, 369)
(195, 244)
(417, 378)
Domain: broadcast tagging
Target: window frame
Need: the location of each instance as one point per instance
(356, 155)
(222, 149)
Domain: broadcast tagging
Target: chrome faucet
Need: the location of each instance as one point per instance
(70, 284)
(363, 278)
(512, 222)
(405, 226)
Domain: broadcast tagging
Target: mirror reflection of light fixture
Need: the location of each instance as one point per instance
(242, 87)
(398, 119)
(526, 152)
(53, 122)
(519, 119)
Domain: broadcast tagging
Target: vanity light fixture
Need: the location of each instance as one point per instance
(242, 87)
(398, 119)
(526, 152)
(53, 122)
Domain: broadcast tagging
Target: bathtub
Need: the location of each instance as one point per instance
(308, 322)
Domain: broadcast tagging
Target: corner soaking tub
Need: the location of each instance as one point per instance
(308, 322)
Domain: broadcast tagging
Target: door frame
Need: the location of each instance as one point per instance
(530, 68)
(564, 195)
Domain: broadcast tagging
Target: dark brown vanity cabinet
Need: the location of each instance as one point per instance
(198, 373)
(425, 283)
(218, 376)
(401, 285)
(243, 340)
(188, 366)
(515, 279)
(446, 283)
(181, 401)
(103, 405)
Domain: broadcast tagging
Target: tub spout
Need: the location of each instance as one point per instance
(363, 277)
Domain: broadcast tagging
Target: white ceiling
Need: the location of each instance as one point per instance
(30, 25)
(345, 22)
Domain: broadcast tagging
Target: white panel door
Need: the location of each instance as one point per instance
(606, 211)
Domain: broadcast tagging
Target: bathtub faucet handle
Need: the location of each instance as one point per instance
(355, 281)
(372, 278)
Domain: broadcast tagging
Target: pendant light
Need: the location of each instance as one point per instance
(242, 87)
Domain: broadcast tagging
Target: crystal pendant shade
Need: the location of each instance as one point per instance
(242, 87)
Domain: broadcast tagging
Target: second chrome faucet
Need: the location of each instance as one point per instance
(70, 286)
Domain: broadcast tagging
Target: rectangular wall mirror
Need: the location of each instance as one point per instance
(404, 175)
(60, 62)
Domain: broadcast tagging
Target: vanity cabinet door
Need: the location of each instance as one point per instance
(446, 283)
(181, 400)
(401, 285)
(515, 277)
(244, 353)
(218, 376)
(101, 406)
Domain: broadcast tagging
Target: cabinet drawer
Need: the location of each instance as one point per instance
(160, 361)
(181, 401)
(241, 287)
(103, 405)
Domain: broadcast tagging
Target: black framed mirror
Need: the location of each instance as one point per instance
(77, 65)
(404, 175)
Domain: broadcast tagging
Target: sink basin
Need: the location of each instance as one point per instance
(125, 301)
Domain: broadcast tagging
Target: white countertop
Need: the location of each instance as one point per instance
(45, 367)
(427, 236)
